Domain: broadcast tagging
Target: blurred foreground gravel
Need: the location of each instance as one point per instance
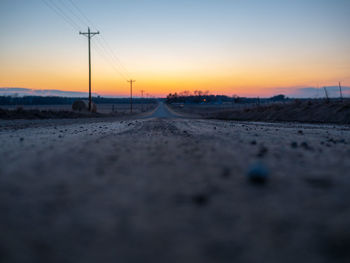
(164, 189)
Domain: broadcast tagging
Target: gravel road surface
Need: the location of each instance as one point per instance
(164, 188)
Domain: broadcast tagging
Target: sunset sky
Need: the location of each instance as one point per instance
(243, 47)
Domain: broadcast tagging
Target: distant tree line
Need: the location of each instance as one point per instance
(204, 97)
(41, 100)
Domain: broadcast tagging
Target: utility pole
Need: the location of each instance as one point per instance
(326, 93)
(89, 35)
(131, 82)
(142, 91)
(341, 92)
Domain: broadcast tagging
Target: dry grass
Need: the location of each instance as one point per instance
(311, 111)
(65, 111)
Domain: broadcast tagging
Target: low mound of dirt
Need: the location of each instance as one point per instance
(45, 114)
(337, 112)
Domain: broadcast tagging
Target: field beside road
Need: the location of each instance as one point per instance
(101, 108)
(65, 111)
(305, 111)
(161, 187)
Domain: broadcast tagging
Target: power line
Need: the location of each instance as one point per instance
(73, 13)
(107, 58)
(62, 14)
(104, 43)
(114, 56)
(81, 13)
(105, 51)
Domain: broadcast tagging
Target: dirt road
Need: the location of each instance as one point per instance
(162, 188)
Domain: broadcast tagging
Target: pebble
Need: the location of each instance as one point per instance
(258, 173)
(262, 151)
(200, 199)
(305, 145)
(294, 145)
(342, 141)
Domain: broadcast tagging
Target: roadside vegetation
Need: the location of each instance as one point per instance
(40, 107)
(274, 109)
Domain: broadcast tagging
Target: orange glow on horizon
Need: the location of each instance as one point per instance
(246, 80)
(261, 85)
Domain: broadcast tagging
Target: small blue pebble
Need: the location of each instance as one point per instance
(258, 173)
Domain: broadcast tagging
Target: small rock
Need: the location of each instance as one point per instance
(332, 141)
(21, 139)
(258, 173)
(214, 128)
(342, 141)
(294, 145)
(305, 145)
(301, 132)
(253, 142)
(200, 199)
(262, 151)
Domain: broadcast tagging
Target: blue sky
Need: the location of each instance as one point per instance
(238, 46)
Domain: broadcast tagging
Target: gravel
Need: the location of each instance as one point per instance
(148, 192)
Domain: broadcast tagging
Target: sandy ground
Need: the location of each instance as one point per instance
(161, 188)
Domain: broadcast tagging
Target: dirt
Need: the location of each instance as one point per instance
(51, 114)
(163, 188)
(304, 111)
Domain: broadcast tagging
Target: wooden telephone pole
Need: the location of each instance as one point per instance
(89, 35)
(131, 82)
(142, 91)
(341, 92)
